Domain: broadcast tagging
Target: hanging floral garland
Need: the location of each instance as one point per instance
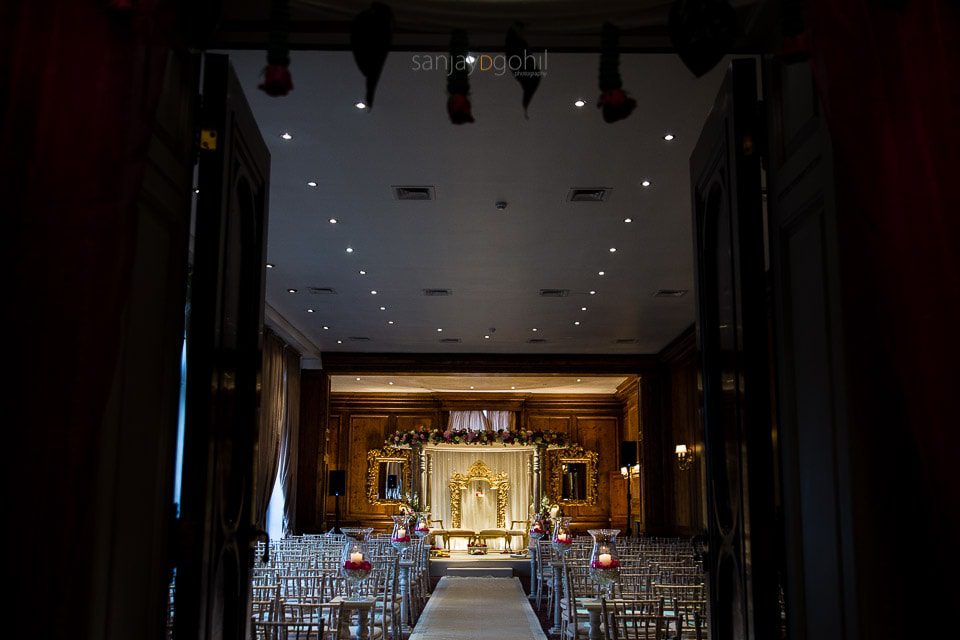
(421, 437)
(614, 101)
(458, 82)
(277, 80)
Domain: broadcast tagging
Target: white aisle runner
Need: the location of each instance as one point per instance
(477, 608)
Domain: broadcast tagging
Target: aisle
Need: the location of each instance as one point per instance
(477, 608)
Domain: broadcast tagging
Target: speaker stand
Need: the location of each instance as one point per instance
(336, 516)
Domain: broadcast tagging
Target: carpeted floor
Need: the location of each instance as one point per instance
(478, 608)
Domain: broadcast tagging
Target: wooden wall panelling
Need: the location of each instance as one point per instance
(312, 446)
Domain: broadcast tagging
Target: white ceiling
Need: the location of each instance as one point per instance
(485, 383)
(495, 262)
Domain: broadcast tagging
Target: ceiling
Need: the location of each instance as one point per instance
(495, 262)
(486, 383)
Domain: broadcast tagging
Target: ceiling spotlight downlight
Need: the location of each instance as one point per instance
(373, 292)
(362, 272)
(613, 249)
(360, 104)
(326, 328)
(286, 135)
(534, 329)
(389, 321)
(486, 337)
(349, 249)
(645, 183)
(309, 310)
(580, 102)
(339, 341)
(312, 183)
(628, 220)
(576, 323)
(579, 380)
(583, 308)
(291, 290)
(390, 383)
(593, 292)
(668, 137)
(439, 330)
(601, 273)
(269, 265)
(383, 308)
(333, 221)
(358, 379)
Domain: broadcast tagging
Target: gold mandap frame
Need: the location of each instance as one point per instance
(479, 471)
(387, 454)
(557, 459)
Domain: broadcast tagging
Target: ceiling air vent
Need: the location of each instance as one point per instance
(451, 340)
(554, 293)
(323, 291)
(670, 293)
(413, 193)
(438, 292)
(626, 341)
(537, 341)
(593, 194)
(358, 339)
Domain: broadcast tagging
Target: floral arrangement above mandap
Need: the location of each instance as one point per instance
(421, 437)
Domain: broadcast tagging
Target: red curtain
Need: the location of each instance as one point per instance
(79, 84)
(889, 80)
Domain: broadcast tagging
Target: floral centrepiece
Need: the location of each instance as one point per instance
(355, 563)
(604, 559)
(421, 437)
(400, 537)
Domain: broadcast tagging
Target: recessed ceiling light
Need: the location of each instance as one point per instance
(645, 183)
(513, 387)
(358, 379)
(389, 321)
(534, 329)
(291, 290)
(470, 59)
(389, 383)
(362, 272)
(311, 184)
(613, 249)
(583, 308)
(601, 273)
(628, 220)
(383, 308)
(576, 323)
(333, 221)
(592, 292)
(286, 136)
(486, 337)
(339, 341)
(349, 249)
(579, 103)
(373, 292)
(360, 105)
(309, 310)
(471, 387)
(269, 266)
(578, 379)
(439, 330)
(326, 328)
(668, 137)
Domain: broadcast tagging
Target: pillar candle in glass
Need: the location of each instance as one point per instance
(400, 537)
(355, 563)
(421, 527)
(604, 559)
(537, 529)
(562, 536)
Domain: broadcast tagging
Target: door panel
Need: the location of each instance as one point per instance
(732, 334)
(223, 363)
(806, 287)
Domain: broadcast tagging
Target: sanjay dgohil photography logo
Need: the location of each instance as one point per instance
(528, 63)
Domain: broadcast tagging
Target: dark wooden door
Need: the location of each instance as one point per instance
(223, 363)
(732, 334)
(814, 440)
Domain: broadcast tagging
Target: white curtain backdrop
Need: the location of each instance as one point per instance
(481, 420)
(480, 513)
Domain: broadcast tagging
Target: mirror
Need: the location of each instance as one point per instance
(574, 485)
(388, 475)
(572, 476)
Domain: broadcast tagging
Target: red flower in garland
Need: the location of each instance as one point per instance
(276, 80)
(616, 105)
(458, 108)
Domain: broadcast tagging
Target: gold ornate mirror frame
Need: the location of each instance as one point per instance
(479, 471)
(557, 458)
(387, 454)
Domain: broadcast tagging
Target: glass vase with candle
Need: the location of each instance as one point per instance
(421, 527)
(537, 527)
(562, 536)
(400, 537)
(355, 563)
(604, 559)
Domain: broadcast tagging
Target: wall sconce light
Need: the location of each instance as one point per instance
(684, 457)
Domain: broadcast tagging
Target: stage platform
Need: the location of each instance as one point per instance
(495, 565)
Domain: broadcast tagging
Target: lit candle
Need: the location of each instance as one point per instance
(401, 533)
(562, 537)
(357, 557)
(604, 560)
